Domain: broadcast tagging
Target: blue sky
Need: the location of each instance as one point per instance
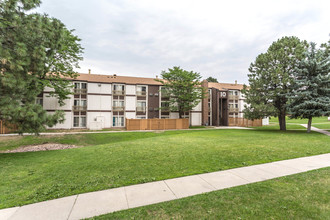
(214, 38)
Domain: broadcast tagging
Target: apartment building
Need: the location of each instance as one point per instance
(105, 101)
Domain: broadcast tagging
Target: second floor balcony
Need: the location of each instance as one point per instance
(80, 91)
(141, 109)
(118, 108)
(231, 109)
(79, 108)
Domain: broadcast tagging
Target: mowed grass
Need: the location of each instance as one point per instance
(300, 196)
(118, 159)
(318, 122)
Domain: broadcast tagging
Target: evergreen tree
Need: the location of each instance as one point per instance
(184, 89)
(212, 79)
(36, 52)
(311, 95)
(271, 79)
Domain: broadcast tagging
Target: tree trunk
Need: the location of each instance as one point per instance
(281, 120)
(309, 126)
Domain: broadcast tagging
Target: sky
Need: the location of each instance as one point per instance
(213, 37)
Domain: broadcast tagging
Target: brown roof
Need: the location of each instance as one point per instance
(116, 79)
(226, 86)
(97, 78)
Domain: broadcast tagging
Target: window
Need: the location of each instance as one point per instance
(118, 121)
(141, 90)
(140, 117)
(118, 103)
(40, 101)
(118, 89)
(79, 121)
(80, 88)
(141, 106)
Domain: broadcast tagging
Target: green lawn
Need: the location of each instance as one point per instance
(118, 159)
(300, 196)
(319, 122)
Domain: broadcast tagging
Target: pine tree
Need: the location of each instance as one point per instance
(36, 51)
(311, 95)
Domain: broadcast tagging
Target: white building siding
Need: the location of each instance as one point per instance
(130, 115)
(100, 88)
(99, 102)
(67, 124)
(198, 107)
(130, 104)
(130, 89)
(196, 119)
(104, 118)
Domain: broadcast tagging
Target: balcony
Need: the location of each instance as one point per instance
(165, 94)
(118, 108)
(80, 91)
(233, 97)
(141, 93)
(141, 109)
(233, 109)
(165, 109)
(79, 108)
(118, 92)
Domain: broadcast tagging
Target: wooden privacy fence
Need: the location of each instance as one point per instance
(4, 129)
(156, 124)
(243, 122)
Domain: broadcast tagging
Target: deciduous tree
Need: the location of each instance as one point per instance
(184, 88)
(271, 79)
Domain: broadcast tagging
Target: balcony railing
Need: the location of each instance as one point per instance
(233, 97)
(165, 109)
(118, 92)
(80, 91)
(233, 109)
(141, 109)
(141, 93)
(165, 94)
(118, 108)
(79, 108)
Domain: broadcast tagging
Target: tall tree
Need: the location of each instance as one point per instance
(271, 79)
(212, 79)
(184, 88)
(311, 93)
(36, 52)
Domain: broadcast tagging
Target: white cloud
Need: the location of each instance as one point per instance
(211, 37)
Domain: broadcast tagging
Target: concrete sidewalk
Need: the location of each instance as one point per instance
(317, 129)
(101, 202)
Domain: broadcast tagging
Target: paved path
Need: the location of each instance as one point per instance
(121, 131)
(101, 202)
(317, 130)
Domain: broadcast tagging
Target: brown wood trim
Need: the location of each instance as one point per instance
(144, 84)
(196, 111)
(99, 111)
(131, 95)
(130, 111)
(53, 110)
(101, 94)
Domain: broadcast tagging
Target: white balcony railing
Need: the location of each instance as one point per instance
(141, 93)
(79, 108)
(80, 91)
(141, 109)
(233, 97)
(233, 109)
(118, 108)
(118, 92)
